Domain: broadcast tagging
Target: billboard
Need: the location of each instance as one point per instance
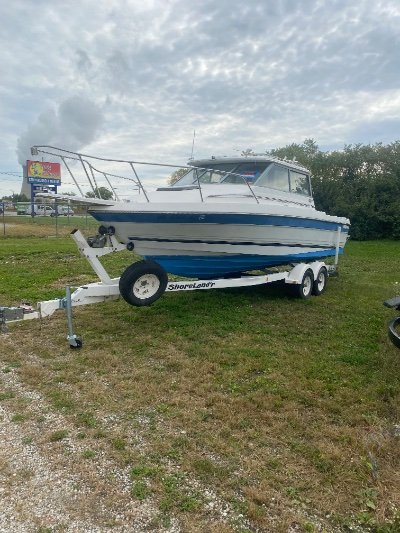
(43, 173)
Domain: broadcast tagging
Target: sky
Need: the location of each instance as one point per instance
(134, 79)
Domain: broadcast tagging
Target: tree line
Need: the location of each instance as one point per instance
(361, 182)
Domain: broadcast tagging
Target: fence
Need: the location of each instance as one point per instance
(41, 219)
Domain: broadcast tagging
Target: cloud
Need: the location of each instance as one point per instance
(72, 125)
(253, 73)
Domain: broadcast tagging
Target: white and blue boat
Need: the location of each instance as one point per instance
(227, 216)
(223, 217)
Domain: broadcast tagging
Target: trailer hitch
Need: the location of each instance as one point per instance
(393, 327)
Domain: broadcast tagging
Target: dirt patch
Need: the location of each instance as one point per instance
(45, 483)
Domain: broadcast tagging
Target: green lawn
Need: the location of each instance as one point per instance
(285, 408)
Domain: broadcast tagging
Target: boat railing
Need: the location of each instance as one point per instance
(93, 174)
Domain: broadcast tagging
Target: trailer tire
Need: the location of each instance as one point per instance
(143, 283)
(304, 289)
(320, 281)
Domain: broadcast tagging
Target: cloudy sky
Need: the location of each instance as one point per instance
(134, 78)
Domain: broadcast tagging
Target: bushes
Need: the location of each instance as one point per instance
(361, 182)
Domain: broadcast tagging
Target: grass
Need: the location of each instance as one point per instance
(58, 435)
(282, 408)
(45, 264)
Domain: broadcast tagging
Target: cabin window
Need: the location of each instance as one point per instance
(238, 173)
(224, 167)
(205, 176)
(216, 174)
(224, 173)
(299, 183)
(275, 177)
(251, 171)
(187, 179)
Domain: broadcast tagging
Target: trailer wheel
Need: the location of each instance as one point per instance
(320, 282)
(305, 288)
(143, 283)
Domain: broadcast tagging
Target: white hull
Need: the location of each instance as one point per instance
(184, 238)
(154, 239)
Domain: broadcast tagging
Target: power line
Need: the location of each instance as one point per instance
(11, 173)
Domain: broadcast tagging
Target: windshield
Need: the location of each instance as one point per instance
(196, 175)
(223, 173)
(260, 173)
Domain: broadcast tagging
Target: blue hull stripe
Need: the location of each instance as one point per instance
(233, 243)
(215, 266)
(214, 218)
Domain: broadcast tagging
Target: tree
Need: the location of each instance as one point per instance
(360, 182)
(16, 198)
(247, 152)
(303, 153)
(100, 192)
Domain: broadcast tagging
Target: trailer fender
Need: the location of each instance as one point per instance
(295, 276)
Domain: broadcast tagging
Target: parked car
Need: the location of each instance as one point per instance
(64, 210)
(40, 210)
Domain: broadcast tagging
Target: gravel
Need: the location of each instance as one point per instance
(44, 486)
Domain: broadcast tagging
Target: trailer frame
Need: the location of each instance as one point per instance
(109, 289)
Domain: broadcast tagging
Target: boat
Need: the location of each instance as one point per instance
(223, 217)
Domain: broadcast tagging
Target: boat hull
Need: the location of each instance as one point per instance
(208, 266)
(206, 245)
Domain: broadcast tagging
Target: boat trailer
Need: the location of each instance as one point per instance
(145, 281)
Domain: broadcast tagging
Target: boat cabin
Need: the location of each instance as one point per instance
(288, 177)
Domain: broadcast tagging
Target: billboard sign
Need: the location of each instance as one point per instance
(43, 173)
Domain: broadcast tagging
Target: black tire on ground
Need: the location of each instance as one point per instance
(143, 283)
(320, 281)
(305, 288)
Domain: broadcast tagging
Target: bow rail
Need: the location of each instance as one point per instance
(93, 174)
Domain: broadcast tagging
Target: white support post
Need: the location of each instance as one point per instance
(106, 289)
(92, 254)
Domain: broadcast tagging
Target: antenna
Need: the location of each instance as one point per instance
(194, 136)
